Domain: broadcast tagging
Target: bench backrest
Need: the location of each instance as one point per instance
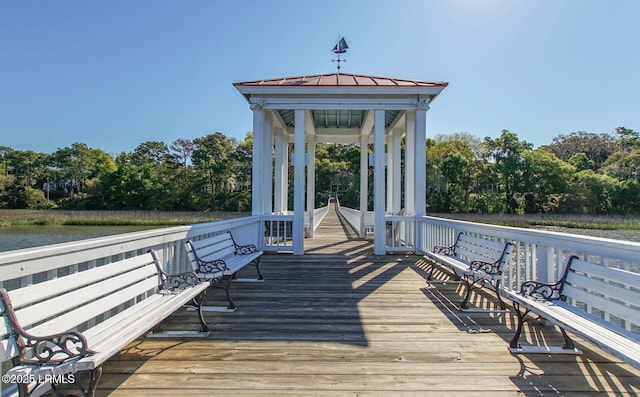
(77, 301)
(600, 289)
(217, 247)
(472, 248)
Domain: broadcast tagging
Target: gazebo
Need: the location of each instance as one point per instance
(340, 108)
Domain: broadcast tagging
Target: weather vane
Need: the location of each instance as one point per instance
(340, 48)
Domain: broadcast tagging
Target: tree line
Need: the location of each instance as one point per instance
(580, 172)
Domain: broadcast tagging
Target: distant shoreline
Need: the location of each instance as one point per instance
(177, 218)
(111, 218)
(600, 222)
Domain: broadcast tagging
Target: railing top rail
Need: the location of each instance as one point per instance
(621, 249)
(28, 261)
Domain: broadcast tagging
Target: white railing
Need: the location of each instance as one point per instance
(34, 265)
(400, 233)
(318, 216)
(278, 233)
(353, 218)
(537, 255)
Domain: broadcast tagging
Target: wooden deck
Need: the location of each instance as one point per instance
(340, 321)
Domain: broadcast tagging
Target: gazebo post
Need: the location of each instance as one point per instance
(311, 180)
(267, 164)
(409, 166)
(397, 172)
(421, 167)
(298, 182)
(280, 172)
(256, 170)
(364, 182)
(379, 236)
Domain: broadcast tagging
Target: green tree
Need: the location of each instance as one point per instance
(507, 153)
(545, 180)
(628, 139)
(597, 147)
(77, 164)
(28, 167)
(581, 162)
(213, 165)
(591, 193)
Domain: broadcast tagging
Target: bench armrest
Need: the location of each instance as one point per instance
(242, 249)
(541, 291)
(490, 268)
(547, 291)
(45, 349)
(214, 266)
(245, 249)
(179, 281)
(444, 250)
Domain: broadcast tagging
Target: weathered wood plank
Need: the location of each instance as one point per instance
(340, 321)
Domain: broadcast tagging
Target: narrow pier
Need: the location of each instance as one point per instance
(341, 321)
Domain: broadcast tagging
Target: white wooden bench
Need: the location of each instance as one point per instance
(477, 262)
(572, 303)
(59, 331)
(217, 260)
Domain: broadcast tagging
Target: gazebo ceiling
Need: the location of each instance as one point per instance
(337, 118)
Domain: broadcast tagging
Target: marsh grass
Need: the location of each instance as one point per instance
(111, 218)
(602, 222)
(177, 218)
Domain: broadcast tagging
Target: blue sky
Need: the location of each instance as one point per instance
(114, 74)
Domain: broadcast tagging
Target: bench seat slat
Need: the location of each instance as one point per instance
(477, 262)
(130, 293)
(599, 333)
(457, 265)
(217, 259)
(237, 262)
(41, 291)
(603, 303)
(112, 335)
(611, 274)
(76, 298)
(89, 311)
(8, 349)
(602, 287)
(474, 251)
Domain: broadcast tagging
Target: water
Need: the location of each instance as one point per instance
(18, 237)
(626, 235)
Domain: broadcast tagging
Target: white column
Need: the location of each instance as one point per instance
(257, 167)
(285, 175)
(280, 164)
(379, 238)
(409, 163)
(421, 162)
(390, 173)
(298, 183)
(397, 172)
(311, 180)
(267, 165)
(364, 181)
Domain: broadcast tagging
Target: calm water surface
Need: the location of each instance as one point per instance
(627, 235)
(18, 237)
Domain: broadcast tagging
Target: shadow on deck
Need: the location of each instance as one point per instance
(342, 321)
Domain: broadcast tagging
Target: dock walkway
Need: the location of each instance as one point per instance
(341, 321)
